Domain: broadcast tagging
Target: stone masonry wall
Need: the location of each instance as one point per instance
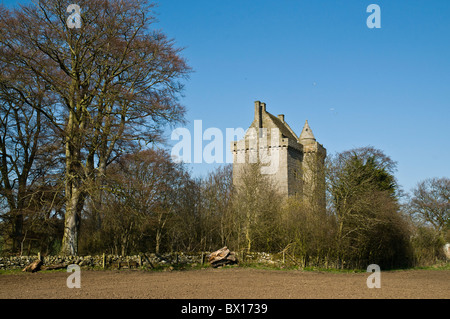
(114, 261)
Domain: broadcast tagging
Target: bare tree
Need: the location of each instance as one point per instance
(143, 197)
(28, 147)
(307, 233)
(256, 205)
(215, 209)
(430, 203)
(116, 82)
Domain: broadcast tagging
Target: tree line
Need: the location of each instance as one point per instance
(82, 116)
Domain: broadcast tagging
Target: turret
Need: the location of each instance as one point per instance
(307, 136)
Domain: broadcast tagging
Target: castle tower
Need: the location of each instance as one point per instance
(313, 169)
(294, 164)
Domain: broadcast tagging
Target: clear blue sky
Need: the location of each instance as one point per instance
(318, 60)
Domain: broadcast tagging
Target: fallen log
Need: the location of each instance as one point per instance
(34, 266)
(37, 265)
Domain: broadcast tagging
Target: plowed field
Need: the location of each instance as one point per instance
(226, 283)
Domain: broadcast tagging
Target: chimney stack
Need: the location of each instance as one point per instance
(259, 107)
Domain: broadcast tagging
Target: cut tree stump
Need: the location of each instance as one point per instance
(222, 257)
(34, 266)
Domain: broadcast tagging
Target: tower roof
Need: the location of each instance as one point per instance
(283, 127)
(264, 119)
(307, 133)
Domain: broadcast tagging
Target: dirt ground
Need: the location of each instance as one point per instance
(226, 283)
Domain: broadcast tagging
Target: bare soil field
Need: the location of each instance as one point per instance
(226, 283)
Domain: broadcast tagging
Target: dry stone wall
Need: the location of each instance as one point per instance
(135, 261)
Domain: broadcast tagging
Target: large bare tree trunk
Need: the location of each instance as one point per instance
(71, 224)
(74, 196)
(17, 224)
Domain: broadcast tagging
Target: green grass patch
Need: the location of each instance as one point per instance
(439, 266)
(10, 271)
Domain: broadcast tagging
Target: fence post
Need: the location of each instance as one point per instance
(103, 261)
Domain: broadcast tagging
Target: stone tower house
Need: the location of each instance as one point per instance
(294, 163)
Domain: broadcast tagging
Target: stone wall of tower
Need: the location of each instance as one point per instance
(277, 172)
(286, 175)
(313, 167)
(295, 171)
